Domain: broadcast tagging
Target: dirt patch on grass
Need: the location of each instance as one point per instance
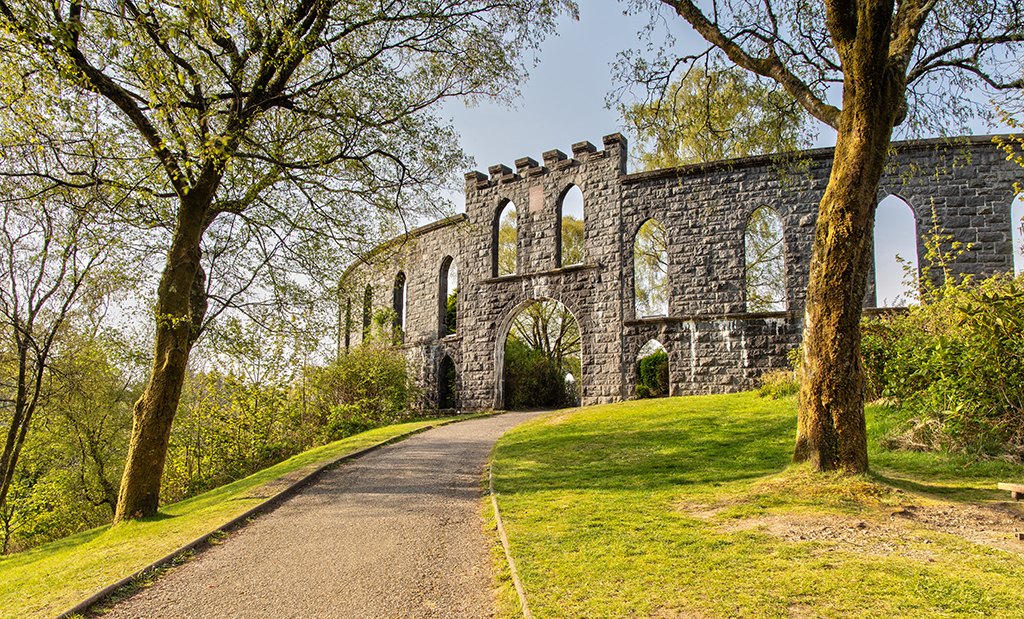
(902, 530)
(676, 613)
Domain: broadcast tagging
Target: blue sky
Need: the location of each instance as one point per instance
(564, 102)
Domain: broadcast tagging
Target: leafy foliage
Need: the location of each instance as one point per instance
(958, 360)
(507, 240)
(711, 114)
(533, 378)
(765, 262)
(572, 241)
(451, 316)
(652, 375)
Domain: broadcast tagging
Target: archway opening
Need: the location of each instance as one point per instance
(650, 270)
(398, 305)
(765, 261)
(541, 362)
(448, 384)
(652, 371)
(1017, 222)
(571, 228)
(367, 312)
(896, 259)
(447, 298)
(506, 240)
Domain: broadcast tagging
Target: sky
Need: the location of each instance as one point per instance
(564, 102)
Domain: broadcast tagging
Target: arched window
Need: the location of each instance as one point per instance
(348, 323)
(570, 225)
(398, 304)
(765, 261)
(367, 312)
(652, 371)
(504, 241)
(896, 259)
(448, 384)
(1017, 222)
(650, 270)
(447, 297)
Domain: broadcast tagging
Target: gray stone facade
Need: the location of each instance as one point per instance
(964, 186)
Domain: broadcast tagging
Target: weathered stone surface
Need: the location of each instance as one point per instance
(714, 345)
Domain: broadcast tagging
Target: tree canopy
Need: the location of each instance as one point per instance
(710, 114)
(254, 138)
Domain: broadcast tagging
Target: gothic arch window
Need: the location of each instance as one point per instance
(447, 297)
(570, 248)
(764, 261)
(650, 270)
(398, 303)
(448, 384)
(895, 248)
(367, 311)
(505, 241)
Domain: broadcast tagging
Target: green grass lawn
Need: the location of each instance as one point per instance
(45, 581)
(689, 507)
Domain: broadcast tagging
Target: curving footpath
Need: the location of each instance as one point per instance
(394, 534)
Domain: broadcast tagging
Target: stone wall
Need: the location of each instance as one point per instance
(714, 344)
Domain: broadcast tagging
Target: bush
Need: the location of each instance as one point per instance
(956, 360)
(366, 387)
(777, 384)
(652, 375)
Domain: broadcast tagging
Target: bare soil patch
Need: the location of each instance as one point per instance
(902, 530)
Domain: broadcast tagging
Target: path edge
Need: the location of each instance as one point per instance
(241, 520)
(520, 589)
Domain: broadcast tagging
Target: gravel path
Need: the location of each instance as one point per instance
(394, 534)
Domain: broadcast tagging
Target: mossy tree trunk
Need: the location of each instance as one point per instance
(831, 431)
(180, 307)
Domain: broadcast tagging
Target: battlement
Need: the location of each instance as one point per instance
(615, 150)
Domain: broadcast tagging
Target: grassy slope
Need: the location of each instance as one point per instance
(48, 580)
(631, 510)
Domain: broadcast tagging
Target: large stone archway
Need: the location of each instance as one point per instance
(501, 337)
(715, 344)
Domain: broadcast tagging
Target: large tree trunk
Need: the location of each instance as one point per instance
(180, 306)
(831, 431)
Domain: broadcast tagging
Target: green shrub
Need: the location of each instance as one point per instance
(652, 374)
(956, 360)
(366, 387)
(777, 384)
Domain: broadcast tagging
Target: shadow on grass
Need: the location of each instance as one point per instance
(954, 493)
(612, 449)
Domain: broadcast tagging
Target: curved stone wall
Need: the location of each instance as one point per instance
(964, 186)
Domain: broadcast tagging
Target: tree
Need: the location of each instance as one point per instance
(257, 132)
(572, 240)
(49, 259)
(909, 62)
(712, 114)
(549, 327)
